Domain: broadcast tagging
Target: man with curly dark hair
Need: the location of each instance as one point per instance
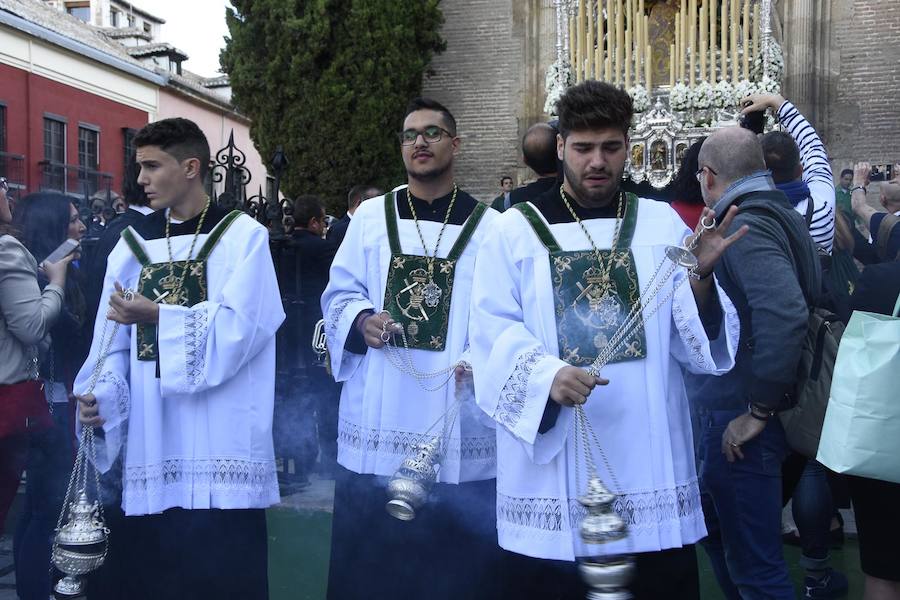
(555, 280)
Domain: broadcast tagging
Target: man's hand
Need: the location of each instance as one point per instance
(758, 102)
(572, 385)
(713, 243)
(373, 327)
(88, 411)
(861, 173)
(858, 201)
(463, 373)
(56, 272)
(740, 431)
(128, 312)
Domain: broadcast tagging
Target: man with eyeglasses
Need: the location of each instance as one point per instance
(396, 314)
(769, 275)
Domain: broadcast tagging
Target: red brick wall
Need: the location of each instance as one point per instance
(28, 97)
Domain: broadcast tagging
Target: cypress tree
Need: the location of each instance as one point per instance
(328, 80)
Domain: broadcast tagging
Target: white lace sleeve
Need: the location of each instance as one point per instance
(205, 345)
(690, 345)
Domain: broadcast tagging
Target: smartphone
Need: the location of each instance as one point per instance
(64, 249)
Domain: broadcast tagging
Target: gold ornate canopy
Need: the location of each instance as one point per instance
(686, 63)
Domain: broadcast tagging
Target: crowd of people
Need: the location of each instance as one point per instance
(484, 322)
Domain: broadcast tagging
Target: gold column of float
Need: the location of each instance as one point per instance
(636, 42)
(692, 41)
(620, 40)
(704, 50)
(713, 14)
(629, 31)
(746, 30)
(610, 15)
(734, 24)
(723, 76)
(676, 55)
(590, 51)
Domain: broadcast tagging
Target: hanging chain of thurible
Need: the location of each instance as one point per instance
(177, 291)
(430, 259)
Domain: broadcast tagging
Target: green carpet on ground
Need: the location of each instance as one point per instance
(300, 541)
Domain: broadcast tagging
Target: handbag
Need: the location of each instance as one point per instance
(23, 408)
(861, 433)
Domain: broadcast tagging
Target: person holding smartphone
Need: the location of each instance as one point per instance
(27, 313)
(50, 227)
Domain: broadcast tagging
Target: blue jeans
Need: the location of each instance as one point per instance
(742, 505)
(812, 511)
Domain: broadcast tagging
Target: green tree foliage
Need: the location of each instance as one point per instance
(328, 80)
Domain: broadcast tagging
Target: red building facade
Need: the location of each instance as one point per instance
(62, 138)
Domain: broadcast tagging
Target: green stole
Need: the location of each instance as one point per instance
(590, 307)
(425, 318)
(157, 279)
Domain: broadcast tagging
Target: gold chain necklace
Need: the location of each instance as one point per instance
(432, 292)
(619, 213)
(177, 291)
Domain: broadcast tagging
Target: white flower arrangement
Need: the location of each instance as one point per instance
(703, 95)
(640, 97)
(559, 77)
(742, 89)
(769, 85)
(680, 97)
(723, 96)
(775, 63)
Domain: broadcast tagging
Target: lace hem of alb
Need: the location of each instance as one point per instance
(402, 443)
(221, 476)
(643, 511)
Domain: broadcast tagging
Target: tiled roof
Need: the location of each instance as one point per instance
(158, 48)
(66, 25)
(125, 32)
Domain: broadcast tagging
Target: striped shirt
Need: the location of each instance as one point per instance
(816, 174)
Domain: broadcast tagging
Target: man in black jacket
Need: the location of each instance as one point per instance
(357, 194)
(767, 275)
(539, 152)
(303, 277)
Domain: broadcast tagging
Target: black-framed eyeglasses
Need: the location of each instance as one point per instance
(431, 134)
(699, 172)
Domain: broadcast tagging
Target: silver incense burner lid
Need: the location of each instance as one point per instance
(84, 527)
(597, 495)
(601, 524)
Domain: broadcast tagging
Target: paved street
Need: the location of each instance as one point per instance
(300, 539)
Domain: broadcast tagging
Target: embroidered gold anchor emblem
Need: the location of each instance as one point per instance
(596, 289)
(415, 291)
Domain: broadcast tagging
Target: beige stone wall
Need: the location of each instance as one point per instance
(862, 99)
(491, 77)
